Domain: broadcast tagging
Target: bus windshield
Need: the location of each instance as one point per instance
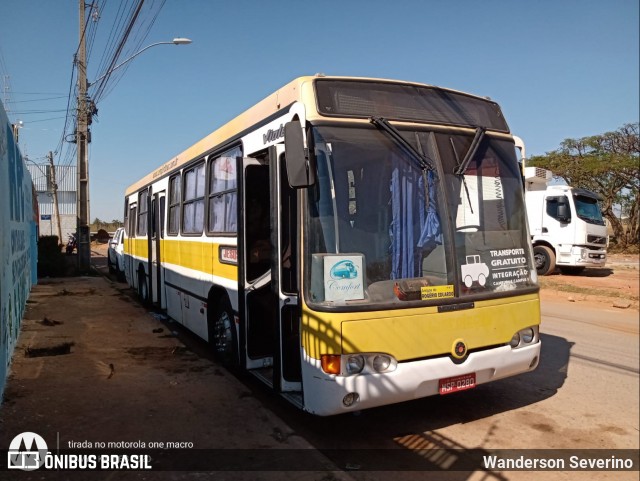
(382, 230)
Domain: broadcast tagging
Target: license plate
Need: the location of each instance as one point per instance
(457, 383)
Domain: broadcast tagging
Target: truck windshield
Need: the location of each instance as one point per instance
(376, 224)
(588, 210)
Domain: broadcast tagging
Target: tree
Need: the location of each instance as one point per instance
(607, 164)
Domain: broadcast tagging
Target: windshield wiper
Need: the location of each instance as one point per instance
(423, 161)
(475, 143)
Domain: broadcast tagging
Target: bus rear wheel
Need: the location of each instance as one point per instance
(143, 287)
(222, 334)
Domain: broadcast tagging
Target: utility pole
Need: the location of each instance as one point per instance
(54, 188)
(82, 140)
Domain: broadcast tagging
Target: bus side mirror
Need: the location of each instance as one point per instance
(301, 169)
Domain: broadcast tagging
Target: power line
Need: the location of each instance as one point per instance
(38, 93)
(37, 112)
(36, 100)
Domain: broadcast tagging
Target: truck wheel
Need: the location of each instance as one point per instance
(545, 260)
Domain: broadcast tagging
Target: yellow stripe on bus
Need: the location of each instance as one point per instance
(196, 255)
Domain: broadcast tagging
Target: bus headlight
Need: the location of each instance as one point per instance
(361, 363)
(381, 363)
(355, 364)
(525, 337)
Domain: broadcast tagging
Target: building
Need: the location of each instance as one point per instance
(66, 179)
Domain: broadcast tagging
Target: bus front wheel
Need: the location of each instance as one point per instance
(222, 334)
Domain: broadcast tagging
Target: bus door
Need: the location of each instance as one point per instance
(129, 264)
(256, 301)
(261, 248)
(285, 283)
(155, 251)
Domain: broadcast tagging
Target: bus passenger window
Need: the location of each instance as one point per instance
(193, 207)
(223, 193)
(143, 202)
(174, 205)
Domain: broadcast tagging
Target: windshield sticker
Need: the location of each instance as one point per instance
(436, 292)
(343, 277)
(474, 271)
(509, 267)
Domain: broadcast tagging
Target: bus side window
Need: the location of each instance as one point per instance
(174, 205)
(162, 214)
(126, 216)
(154, 230)
(193, 205)
(142, 213)
(132, 220)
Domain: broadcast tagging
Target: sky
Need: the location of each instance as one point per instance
(558, 68)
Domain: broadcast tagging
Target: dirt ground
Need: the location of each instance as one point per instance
(95, 373)
(616, 285)
(125, 376)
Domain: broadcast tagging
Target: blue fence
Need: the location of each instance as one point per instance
(18, 237)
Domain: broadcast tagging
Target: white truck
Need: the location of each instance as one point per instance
(565, 223)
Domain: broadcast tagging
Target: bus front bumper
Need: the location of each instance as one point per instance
(324, 394)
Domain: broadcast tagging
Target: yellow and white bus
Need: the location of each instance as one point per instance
(352, 242)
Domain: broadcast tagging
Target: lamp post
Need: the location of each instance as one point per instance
(175, 41)
(82, 140)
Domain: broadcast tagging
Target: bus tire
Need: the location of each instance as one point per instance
(120, 275)
(545, 260)
(222, 334)
(143, 287)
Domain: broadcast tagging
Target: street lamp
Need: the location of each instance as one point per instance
(82, 140)
(175, 41)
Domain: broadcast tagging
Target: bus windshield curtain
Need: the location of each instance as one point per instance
(415, 228)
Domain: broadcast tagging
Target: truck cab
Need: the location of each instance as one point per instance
(566, 225)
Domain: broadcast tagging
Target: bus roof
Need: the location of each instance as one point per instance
(297, 89)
